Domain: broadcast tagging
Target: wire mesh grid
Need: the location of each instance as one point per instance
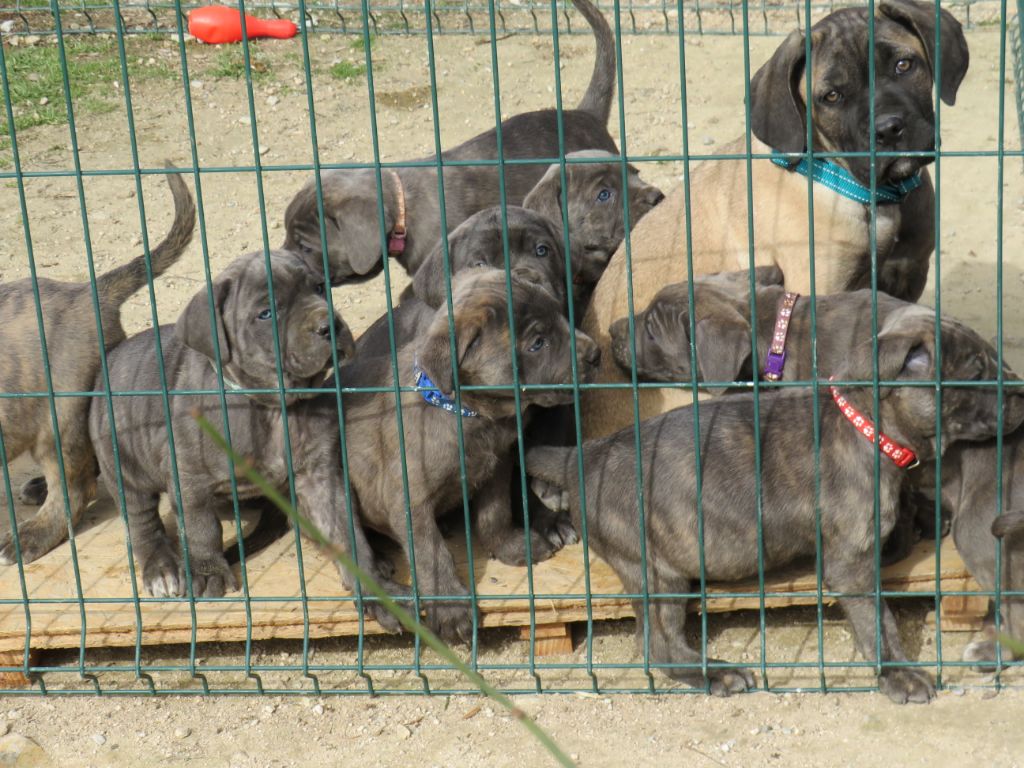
(407, 666)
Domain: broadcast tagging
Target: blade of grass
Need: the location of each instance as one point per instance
(369, 584)
(1017, 646)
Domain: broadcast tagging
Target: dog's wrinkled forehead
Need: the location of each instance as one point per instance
(290, 275)
(486, 293)
(839, 41)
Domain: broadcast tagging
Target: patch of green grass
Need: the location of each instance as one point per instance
(359, 43)
(36, 82)
(229, 63)
(346, 70)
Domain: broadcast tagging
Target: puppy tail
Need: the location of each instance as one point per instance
(118, 284)
(598, 98)
(1007, 524)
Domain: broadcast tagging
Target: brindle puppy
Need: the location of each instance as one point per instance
(906, 351)
(243, 331)
(969, 488)
(351, 213)
(534, 246)
(482, 356)
(73, 350)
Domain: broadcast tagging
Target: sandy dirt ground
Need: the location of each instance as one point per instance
(966, 724)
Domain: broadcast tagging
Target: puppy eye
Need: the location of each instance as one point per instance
(479, 264)
(320, 289)
(903, 66)
(832, 97)
(604, 195)
(539, 343)
(541, 250)
(264, 315)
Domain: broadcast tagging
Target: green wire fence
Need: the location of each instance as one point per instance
(401, 665)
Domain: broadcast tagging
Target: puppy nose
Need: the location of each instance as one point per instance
(587, 349)
(889, 128)
(656, 197)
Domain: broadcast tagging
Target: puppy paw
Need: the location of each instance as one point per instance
(212, 576)
(163, 574)
(560, 531)
(512, 551)
(905, 686)
(36, 537)
(33, 492)
(719, 682)
(982, 655)
(453, 623)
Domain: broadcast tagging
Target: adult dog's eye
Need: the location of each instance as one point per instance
(541, 250)
(264, 315)
(604, 195)
(538, 344)
(903, 66)
(832, 97)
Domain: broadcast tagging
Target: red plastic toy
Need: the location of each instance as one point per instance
(220, 24)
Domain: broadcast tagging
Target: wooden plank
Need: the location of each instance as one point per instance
(110, 611)
(549, 639)
(11, 680)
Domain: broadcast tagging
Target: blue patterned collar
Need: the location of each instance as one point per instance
(838, 179)
(435, 397)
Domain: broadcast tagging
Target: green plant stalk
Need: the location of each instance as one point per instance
(368, 583)
(1017, 646)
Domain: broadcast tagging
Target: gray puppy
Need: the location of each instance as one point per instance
(73, 350)
(482, 355)
(351, 213)
(242, 327)
(534, 245)
(593, 200)
(906, 352)
(723, 328)
(969, 488)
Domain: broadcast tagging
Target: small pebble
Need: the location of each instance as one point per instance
(264, 149)
(708, 141)
(403, 732)
(182, 733)
(318, 709)
(99, 739)
(44, 101)
(273, 101)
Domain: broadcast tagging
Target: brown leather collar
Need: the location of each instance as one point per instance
(396, 238)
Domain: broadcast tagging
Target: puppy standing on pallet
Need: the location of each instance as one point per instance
(411, 205)
(906, 59)
(73, 350)
(243, 331)
(906, 424)
(429, 443)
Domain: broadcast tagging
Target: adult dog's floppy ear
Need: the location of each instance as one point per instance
(545, 197)
(723, 345)
(193, 325)
(434, 354)
(776, 110)
(919, 18)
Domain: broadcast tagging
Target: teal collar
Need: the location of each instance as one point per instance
(838, 179)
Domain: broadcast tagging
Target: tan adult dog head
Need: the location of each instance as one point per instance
(906, 63)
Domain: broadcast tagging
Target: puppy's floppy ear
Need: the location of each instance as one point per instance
(907, 353)
(429, 283)
(434, 354)
(193, 325)
(545, 197)
(723, 345)
(777, 112)
(351, 217)
(919, 18)
(770, 275)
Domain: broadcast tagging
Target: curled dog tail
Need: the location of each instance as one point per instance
(118, 284)
(598, 98)
(1007, 524)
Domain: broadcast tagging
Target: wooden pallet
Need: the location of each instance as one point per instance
(274, 578)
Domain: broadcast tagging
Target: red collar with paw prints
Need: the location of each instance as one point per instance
(901, 456)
